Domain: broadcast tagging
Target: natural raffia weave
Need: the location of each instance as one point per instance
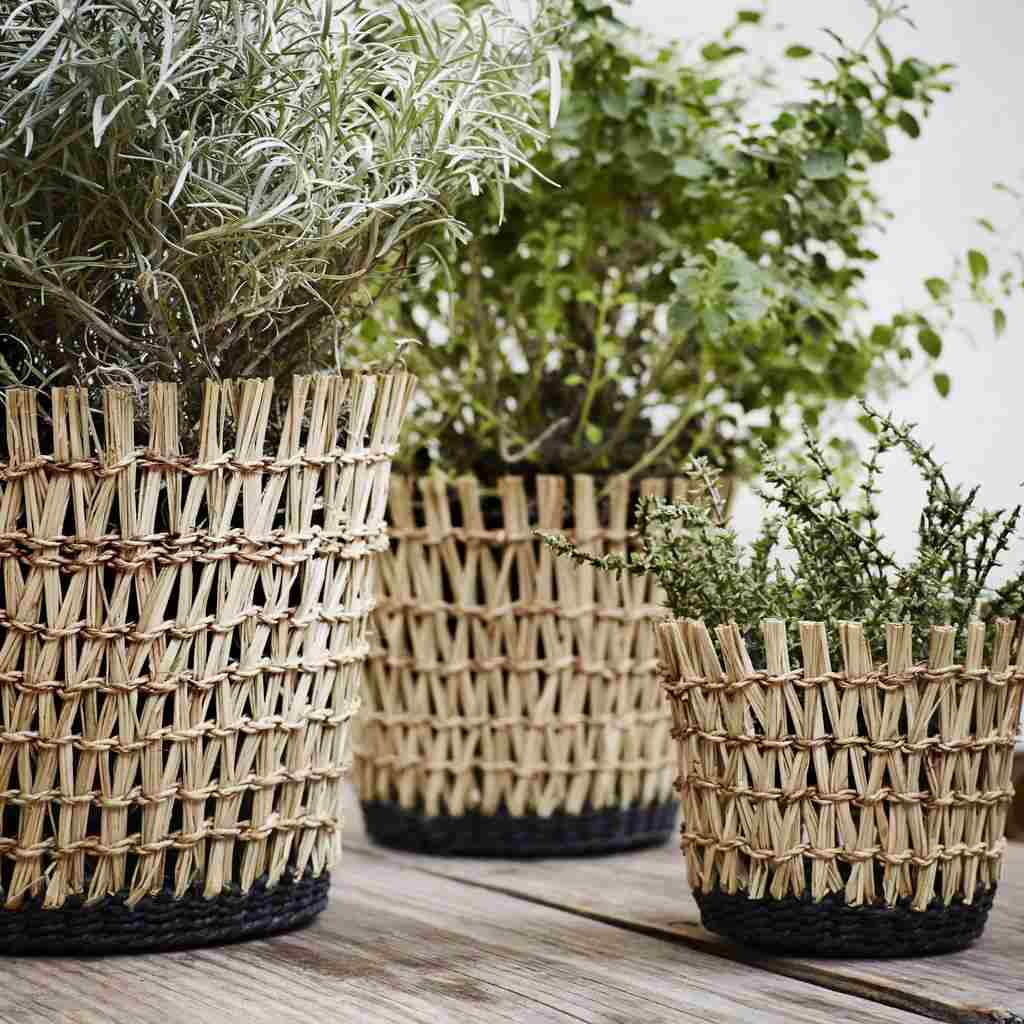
(511, 684)
(827, 792)
(182, 639)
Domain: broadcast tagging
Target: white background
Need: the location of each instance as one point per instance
(937, 186)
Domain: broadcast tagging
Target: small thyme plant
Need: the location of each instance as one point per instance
(820, 556)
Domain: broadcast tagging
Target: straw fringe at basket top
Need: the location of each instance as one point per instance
(508, 677)
(182, 637)
(877, 784)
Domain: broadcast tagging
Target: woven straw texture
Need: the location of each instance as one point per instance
(879, 785)
(508, 680)
(182, 636)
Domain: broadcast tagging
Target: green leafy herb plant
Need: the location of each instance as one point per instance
(820, 555)
(694, 286)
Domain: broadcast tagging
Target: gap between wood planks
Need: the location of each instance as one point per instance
(694, 937)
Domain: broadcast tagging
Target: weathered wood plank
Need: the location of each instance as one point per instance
(397, 946)
(646, 891)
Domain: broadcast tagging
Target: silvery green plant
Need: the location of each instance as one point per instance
(194, 187)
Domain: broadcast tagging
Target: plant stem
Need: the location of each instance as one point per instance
(595, 382)
(680, 424)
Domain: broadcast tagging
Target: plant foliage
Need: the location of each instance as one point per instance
(820, 555)
(694, 284)
(194, 187)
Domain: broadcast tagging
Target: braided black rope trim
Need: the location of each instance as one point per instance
(832, 928)
(502, 835)
(159, 923)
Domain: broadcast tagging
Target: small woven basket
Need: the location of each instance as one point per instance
(513, 707)
(181, 648)
(850, 813)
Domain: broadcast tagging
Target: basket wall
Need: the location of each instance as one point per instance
(507, 679)
(858, 787)
(182, 638)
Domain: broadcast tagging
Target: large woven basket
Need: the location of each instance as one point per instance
(844, 813)
(181, 649)
(513, 706)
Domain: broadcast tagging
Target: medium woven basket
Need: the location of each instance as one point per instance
(844, 813)
(513, 707)
(181, 649)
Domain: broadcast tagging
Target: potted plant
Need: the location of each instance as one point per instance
(691, 287)
(846, 783)
(206, 189)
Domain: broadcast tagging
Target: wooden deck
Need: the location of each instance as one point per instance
(615, 940)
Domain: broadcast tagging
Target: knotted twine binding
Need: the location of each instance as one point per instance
(880, 785)
(507, 679)
(182, 637)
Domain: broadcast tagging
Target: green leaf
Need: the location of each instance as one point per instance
(876, 147)
(882, 335)
(749, 17)
(681, 317)
(977, 261)
(692, 168)
(856, 89)
(853, 124)
(667, 125)
(824, 164)
(653, 169)
(930, 342)
(901, 81)
(593, 433)
(909, 124)
(615, 106)
(574, 380)
(942, 384)
(937, 287)
(715, 321)
(999, 322)
(715, 52)
(683, 277)
(798, 52)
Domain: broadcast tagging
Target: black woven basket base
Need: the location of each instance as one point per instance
(502, 835)
(830, 928)
(159, 923)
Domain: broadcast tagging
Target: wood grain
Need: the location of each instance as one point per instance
(398, 946)
(646, 892)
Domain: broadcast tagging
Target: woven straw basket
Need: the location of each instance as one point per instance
(513, 707)
(181, 648)
(846, 813)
